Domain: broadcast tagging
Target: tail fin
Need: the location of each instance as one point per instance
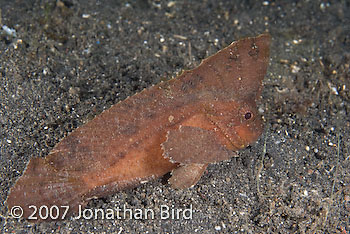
(44, 193)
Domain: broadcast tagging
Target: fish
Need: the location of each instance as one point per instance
(203, 116)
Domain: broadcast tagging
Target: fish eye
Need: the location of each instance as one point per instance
(248, 115)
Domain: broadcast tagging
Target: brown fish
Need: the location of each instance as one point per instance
(200, 117)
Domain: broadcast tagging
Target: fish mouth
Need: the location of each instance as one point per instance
(242, 136)
(235, 141)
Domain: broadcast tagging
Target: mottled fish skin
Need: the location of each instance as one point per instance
(127, 144)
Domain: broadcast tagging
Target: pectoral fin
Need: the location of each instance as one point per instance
(193, 145)
(186, 176)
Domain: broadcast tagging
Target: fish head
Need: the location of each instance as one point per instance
(238, 121)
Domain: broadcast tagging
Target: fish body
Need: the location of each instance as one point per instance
(202, 116)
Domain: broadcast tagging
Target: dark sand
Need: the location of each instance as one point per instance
(71, 60)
